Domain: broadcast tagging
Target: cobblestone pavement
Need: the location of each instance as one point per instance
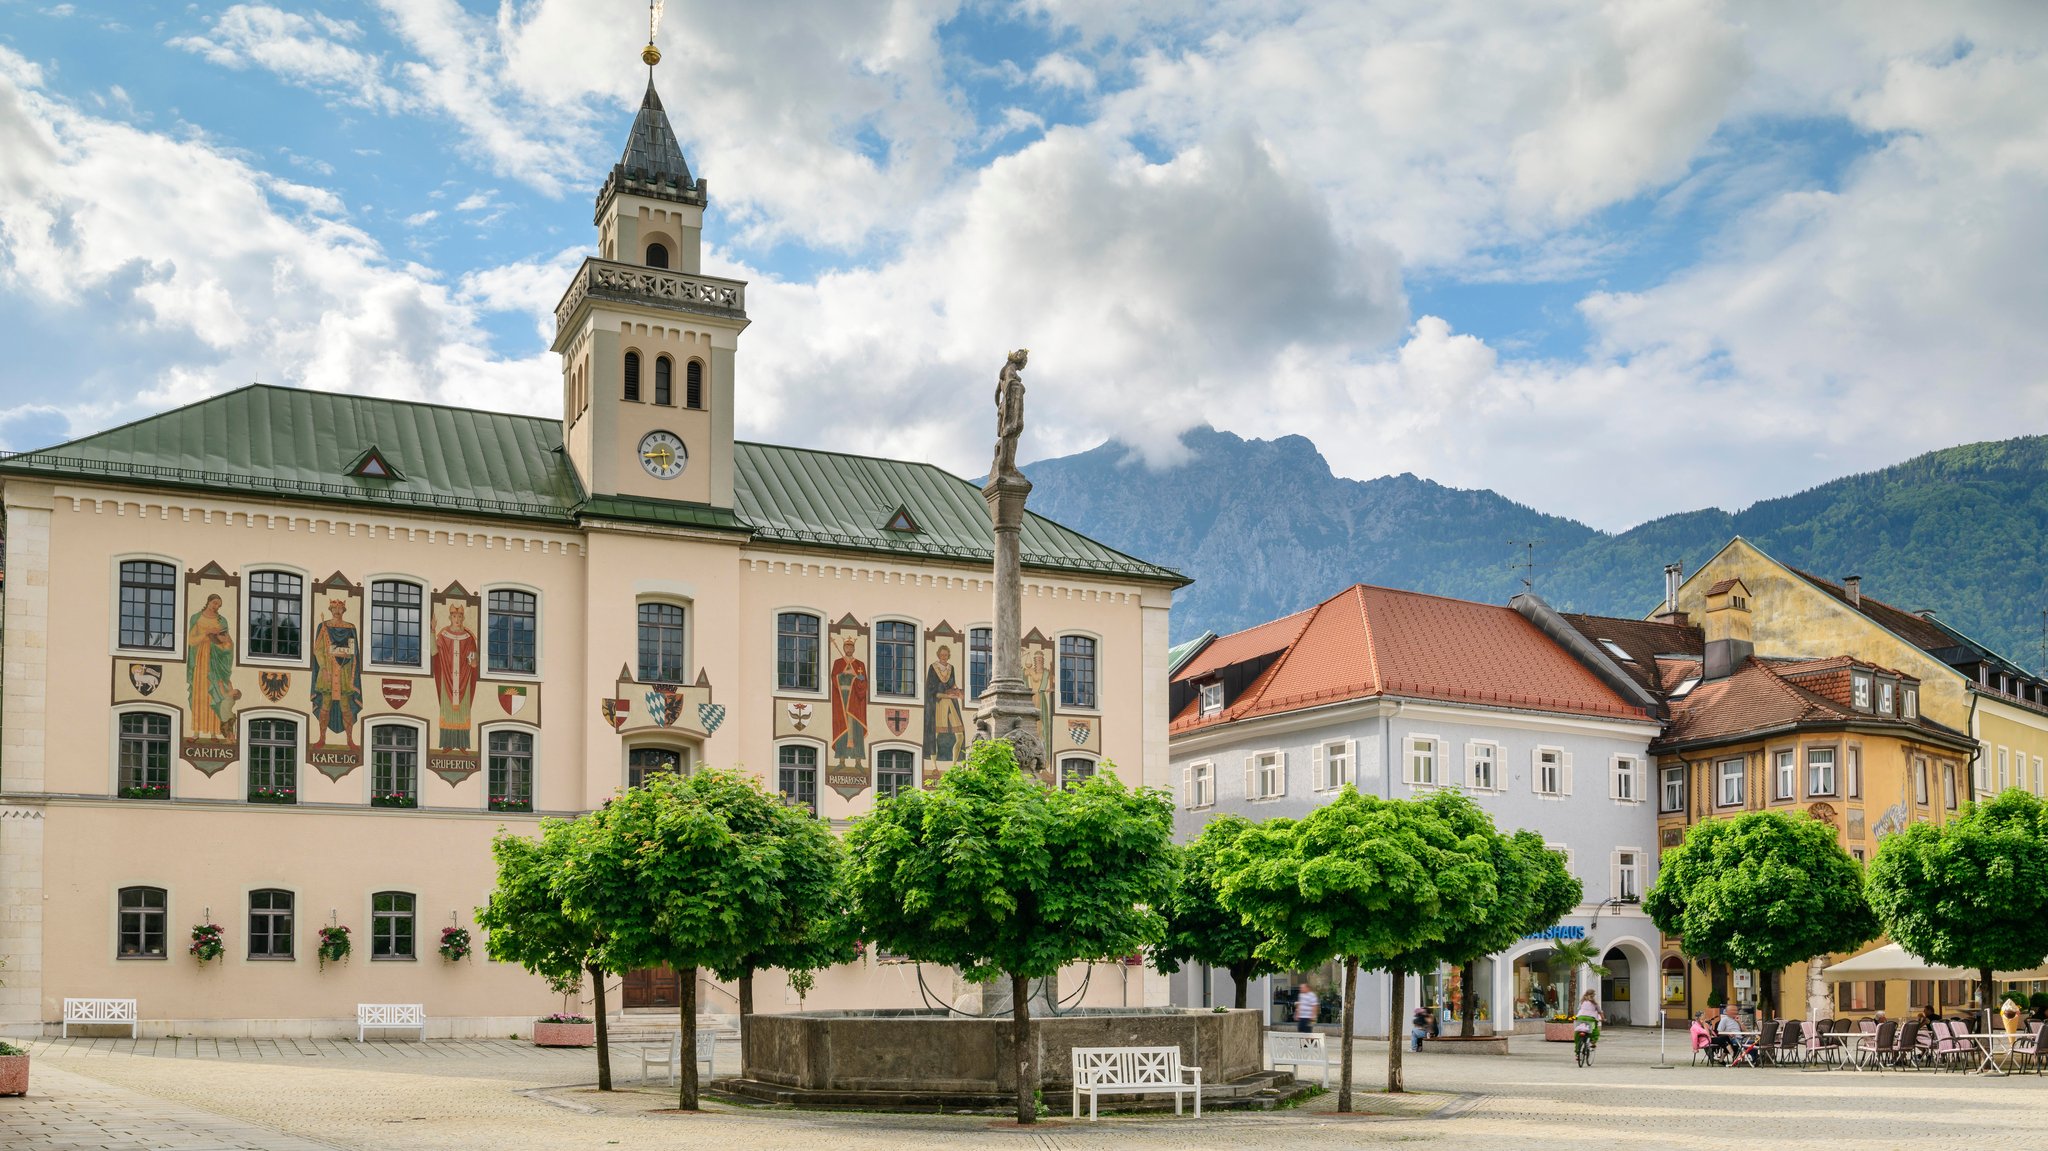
(415, 1097)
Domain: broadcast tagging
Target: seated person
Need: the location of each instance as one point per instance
(1728, 1033)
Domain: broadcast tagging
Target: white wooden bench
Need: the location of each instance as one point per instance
(1100, 1071)
(667, 1054)
(388, 1015)
(108, 1012)
(1295, 1050)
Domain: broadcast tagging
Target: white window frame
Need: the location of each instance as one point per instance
(824, 662)
(1887, 696)
(180, 618)
(1492, 760)
(875, 751)
(1198, 785)
(421, 774)
(1923, 785)
(300, 770)
(1625, 779)
(2004, 769)
(306, 620)
(1261, 768)
(1059, 677)
(540, 631)
(690, 622)
(1852, 781)
(1784, 774)
(1834, 770)
(1059, 764)
(1980, 772)
(1565, 851)
(1635, 869)
(1344, 754)
(365, 642)
(483, 774)
(1205, 693)
(688, 753)
(177, 718)
(2037, 775)
(1666, 775)
(1563, 765)
(1859, 693)
(917, 659)
(1722, 778)
(1909, 703)
(1414, 746)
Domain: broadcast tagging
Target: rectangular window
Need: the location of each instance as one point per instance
(1785, 776)
(270, 925)
(142, 923)
(895, 658)
(1550, 771)
(515, 633)
(1422, 761)
(1730, 771)
(1212, 698)
(2037, 775)
(1484, 761)
(1627, 786)
(273, 761)
(1856, 853)
(276, 614)
(1860, 692)
(394, 765)
(1076, 770)
(1920, 781)
(796, 651)
(391, 925)
(1855, 781)
(1265, 775)
(145, 755)
(1820, 771)
(643, 762)
(1077, 671)
(1980, 771)
(980, 660)
(895, 770)
(1884, 696)
(511, 771)
(1200, 784)
(1672, 783)
(1336, 755)
(395, 623)
(1627, 876)
(1909, 707)
(2004, 769)
(1948, 785)
(661, 643)
(149, 605)
(797, 775)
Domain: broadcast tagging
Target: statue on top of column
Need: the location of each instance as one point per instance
(1009, 416)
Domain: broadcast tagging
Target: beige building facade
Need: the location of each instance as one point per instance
(283, 661)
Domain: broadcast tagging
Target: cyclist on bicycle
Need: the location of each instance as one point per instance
(1586, 1028)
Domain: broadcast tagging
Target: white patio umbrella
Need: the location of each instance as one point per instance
(1894, 962)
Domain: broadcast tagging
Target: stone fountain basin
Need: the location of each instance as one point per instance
(930, 1054)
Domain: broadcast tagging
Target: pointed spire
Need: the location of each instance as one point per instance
(652, 164)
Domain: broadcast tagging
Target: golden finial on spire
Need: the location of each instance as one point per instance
(651, 54)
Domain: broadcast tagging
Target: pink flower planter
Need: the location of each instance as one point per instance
(564, 1034)
(13, 1074)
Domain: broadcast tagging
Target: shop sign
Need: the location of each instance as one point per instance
(1561, 931)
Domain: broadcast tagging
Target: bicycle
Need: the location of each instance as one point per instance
(1583, 1044)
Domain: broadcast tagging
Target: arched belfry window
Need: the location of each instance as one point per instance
(664, 380)
(633, 376)
(657, 256)
(693, 384)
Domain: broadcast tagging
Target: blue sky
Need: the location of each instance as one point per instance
(1613, 262)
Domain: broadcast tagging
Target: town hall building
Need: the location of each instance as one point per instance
(282, 661)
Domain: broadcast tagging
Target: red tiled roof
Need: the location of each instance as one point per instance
(1768, 695)
(1240, 646)
(1724, 585)
(1369, 641)
(1644, 641)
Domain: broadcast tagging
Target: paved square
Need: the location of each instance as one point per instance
(301, 1096)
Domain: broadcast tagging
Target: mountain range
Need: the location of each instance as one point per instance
(1265, 529)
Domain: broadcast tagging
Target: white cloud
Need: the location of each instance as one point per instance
(310, 51)
(1059, 70)
(418, 218)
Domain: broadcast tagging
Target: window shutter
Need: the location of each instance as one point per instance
(1614, 770)
(1350, 761)
(1251, 777)
(1318, 783)
(1280, 773)
(1536, 770)
(1567, 772)
(1187, 786)
(1641, 771)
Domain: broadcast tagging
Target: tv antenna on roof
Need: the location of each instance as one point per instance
(1528, 565)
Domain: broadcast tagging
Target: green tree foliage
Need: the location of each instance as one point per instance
(994, 874)
(526, 923)
(1568, 958)
(1763, 890)
(1363, 879)
(1199, 929)
(812, 930)
(1972, 892)
(682, 872)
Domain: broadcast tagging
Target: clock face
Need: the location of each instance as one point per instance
(663, 455)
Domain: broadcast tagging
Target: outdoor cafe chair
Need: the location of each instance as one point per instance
(1700, 1038)
(1949, 1050)
(1766, 1040)
(2028, 1046)
(1819, 1046)
(1906, 1048)
(1789, 1048)
(1882, 1045)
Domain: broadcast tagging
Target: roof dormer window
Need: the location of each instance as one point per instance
(1614, 649)
(1212, 698)
(1687, 685)
(1886, 690)
(1860, 692)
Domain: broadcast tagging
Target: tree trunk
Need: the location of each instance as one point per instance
(1346, 1019)
(604, 1050)
(1020, 1039)
(1468, 1004)
(1989, 997)
(686, 1075)
(1395, 1011)
(1239, 977)
(746, 1013)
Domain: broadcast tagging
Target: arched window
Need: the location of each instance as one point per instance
(895, 770)
(511, 771)
(693, 384)
(512, 631)
(142, 923)
(1076, 769)
(270, 924)
(664, 381)
(273, 761)
(276, 608)
(395, 622)
(633, 376)
(657, 256)
(796, 651)
(1077, 671)
(661, 643)
(149, 605)
(797, 775)
(394, 765)
(391, 925)
(145, 755)
(643, 763)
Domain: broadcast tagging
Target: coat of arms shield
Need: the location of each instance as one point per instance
(897, 718)
(665, 704)
(710, 715)
(512, 697)
(1079, 733)
(799, 715)
(145, 677)
(397, 692)
(615, 711)
(273, 684)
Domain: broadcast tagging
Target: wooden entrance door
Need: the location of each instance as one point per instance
(652, 987)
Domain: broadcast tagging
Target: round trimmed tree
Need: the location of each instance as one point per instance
(1199, 929)
(526, 922)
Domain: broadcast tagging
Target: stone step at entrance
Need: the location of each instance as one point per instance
(1261, 1091)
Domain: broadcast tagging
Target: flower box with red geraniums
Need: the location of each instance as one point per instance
(147, 791)
(394, 799)
(507, 803)
(560, 1030)
(13, 1069)
(273, 795)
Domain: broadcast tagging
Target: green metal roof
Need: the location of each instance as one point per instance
(273, 441)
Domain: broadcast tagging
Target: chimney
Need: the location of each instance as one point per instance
(1726, 629)
(1852, 586)
(1673, 576)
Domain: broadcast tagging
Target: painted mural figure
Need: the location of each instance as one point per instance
(945, 717)
(1038, 677)
(849, 708)
(209, 671)
(337, 677)
(455, 677)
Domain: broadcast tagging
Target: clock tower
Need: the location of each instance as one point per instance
(647, 341)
